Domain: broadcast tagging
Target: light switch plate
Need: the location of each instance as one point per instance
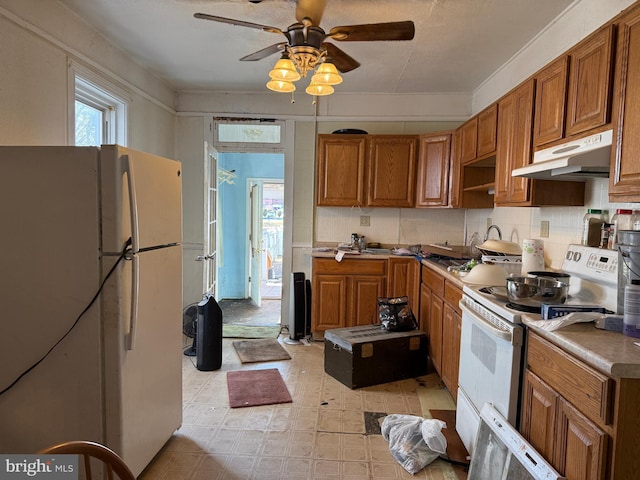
(365, 220)
(544, 228)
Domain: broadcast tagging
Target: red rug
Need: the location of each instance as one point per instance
(248, 388)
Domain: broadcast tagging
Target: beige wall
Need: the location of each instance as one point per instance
(38, 39)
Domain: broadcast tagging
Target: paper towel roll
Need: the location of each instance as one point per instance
(532, 255)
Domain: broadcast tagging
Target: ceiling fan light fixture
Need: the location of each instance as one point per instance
(281, 86)
(318, 90)
(327, 74)
(285, 70)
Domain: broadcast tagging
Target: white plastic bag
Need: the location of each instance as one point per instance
(414, 442)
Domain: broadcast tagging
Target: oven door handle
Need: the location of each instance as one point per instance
(506, 335)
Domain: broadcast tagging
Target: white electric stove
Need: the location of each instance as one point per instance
(492, 337)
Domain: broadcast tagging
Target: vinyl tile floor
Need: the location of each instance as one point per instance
(320, 435)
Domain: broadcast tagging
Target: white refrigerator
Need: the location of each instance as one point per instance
(96, 355)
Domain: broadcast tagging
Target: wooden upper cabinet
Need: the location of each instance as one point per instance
(515, 132)
(341, 170)
(624, 180)
(366, 170)
(433, 170)
(515, 121)
(487, 131)
(551, 95)
(590, 71)
(469, 140)
(391, 171)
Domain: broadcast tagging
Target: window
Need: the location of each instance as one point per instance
(263, 136)
(99, 111)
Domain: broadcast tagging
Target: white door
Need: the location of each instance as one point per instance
(255, 241)
(210, 273)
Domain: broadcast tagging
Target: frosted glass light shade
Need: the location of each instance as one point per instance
(327, 74)
(319, 90)
(281, 86)
(284, 69)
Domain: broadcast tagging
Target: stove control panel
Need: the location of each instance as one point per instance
(592, 263)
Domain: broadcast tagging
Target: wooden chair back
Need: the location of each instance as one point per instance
(113, 464)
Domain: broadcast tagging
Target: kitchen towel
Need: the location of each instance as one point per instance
(532, 255)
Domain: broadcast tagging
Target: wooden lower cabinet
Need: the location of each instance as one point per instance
(451, 327)
(582, 422)
(440, 318)
(344, 294)
(403, 280)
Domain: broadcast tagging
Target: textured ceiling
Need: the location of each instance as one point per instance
(457, 45)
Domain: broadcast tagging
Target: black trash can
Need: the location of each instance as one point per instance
(209, 338)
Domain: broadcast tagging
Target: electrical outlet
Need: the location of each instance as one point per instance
(365, 220)
(544, 228)
(489, 222)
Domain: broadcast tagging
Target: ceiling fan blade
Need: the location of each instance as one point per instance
(264, 53)
(241, 23)
(343, 62)
(374, 32)
(311, 9)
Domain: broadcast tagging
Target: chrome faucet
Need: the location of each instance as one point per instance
(486, 235)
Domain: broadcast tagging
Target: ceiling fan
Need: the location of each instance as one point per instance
(306, 45)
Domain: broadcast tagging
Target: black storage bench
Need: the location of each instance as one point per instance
(368, 355)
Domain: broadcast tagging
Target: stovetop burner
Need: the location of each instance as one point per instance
(524, 308)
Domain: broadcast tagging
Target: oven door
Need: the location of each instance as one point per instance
(490, 364)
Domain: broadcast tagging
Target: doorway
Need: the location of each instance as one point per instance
(251, 238)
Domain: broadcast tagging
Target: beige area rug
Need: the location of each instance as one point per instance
(249, 388)
(262, 350)
(230, 330)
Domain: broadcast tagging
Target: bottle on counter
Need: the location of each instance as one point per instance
(631, 316)
(605, 233)
(591, 226)
(635, 220)
(362, 244)
(355, 241)
(622, 220)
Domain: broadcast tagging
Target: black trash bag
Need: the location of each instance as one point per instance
(395, 314)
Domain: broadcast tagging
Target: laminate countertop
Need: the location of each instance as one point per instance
(611, 353)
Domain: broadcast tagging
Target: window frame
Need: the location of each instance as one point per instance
(91, 89)
(240, 147)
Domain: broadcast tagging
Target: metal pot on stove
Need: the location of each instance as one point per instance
(534, 291)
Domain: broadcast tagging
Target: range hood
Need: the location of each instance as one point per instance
(574, 160)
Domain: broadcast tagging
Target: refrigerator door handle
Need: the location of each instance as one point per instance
(130, 339)
(133, 203)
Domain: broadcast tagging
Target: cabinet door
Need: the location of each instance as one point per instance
(435, 332)
(539, 415)
(392, 171)
(551, 95)
(341, 170)
(624, 181)
(403, 281)
(515, 118)
(455, 172)
(580, 445)
(590, 82)
(425, 308)
(364, 291)
(329, 302)
(451, 329)
(469, 140)
(433, 171)
(487, 130)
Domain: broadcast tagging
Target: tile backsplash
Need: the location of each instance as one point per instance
(406, 226)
